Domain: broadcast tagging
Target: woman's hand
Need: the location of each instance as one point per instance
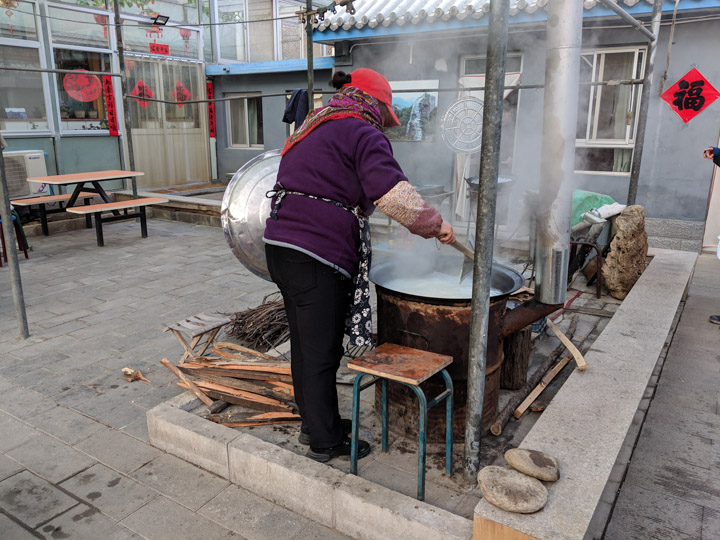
(446, 234)
(708, 153)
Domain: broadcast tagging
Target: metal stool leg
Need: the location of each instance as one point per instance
(355, 424)
(421, 441)
(448, 422)
(385, 415)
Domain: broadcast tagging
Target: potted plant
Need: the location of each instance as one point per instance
(65, 110)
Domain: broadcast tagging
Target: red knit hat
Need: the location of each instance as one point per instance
(378, 87)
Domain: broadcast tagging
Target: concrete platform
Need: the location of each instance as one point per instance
(349, 504)
(586, 424)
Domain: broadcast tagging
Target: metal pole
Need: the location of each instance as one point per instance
(123, 89)
(13, 262)
(629, 18)
(562, 74)
(644, 104)
(309, 16)
(484, 229)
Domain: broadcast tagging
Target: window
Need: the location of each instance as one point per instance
(82, 101)
(245, 121)
(607, 114)
(473, 75)
(17, 20)
(292, 35)
(232, 36)
(22, 100)
(77, 28)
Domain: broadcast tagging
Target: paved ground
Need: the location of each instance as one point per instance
(74, 458)
(672, 486)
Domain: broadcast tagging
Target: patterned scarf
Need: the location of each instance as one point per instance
(349, 102)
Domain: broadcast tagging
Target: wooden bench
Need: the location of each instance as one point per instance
(42, 201)
(98, 209)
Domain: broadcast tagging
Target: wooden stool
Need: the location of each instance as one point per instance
(409, 367)
(197, 327)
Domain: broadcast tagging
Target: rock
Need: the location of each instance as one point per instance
(511, 490)
(533, 463)
(628, 250)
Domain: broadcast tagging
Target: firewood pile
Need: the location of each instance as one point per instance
(250, 388)
(263, 327)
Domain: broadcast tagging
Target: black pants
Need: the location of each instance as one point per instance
(316, 300)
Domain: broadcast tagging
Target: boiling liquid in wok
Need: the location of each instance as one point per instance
(435, 285)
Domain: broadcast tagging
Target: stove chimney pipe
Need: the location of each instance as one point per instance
(562, 76)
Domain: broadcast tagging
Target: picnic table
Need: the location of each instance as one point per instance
(86, 185)
(85, 181)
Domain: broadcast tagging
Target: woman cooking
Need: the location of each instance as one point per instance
(335, 169)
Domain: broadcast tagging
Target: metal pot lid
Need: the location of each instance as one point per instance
(245, 208)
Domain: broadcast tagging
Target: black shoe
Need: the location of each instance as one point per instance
(304, 437)
(715, 319)
(324, 455)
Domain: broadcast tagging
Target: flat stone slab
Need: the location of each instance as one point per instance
(533, 463)
(512, 490)
(578, 427)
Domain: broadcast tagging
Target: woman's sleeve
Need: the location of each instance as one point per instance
(406, 206)
(386, 185)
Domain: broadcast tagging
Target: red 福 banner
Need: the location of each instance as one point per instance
(211, 109)
(110, 105)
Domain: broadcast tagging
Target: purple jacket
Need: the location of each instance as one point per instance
(347, 160)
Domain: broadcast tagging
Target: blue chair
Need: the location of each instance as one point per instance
(19, 234)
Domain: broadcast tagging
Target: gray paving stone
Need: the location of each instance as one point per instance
(12, 531)
(112, 413)
(138, 429)
(117, 450)
(114, 494)
(24, 403)
(32, 500)
(67, 425)
(163, 519)
(253, 517)
(315, 531)
(642, 514)
(83, 521)
(14, 432)
(178, 480)
(49, 458)
(710, 524)
(8, 467)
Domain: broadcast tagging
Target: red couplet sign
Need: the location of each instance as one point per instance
(211, 109)
(82, 86)
(110, 105)
(690, 95)
(159, 48)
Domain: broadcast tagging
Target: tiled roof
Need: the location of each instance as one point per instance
(373, 13)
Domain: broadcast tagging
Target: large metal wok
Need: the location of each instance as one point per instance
(245, 208)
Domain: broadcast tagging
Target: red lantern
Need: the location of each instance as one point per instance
(102, 20)
(185, 34)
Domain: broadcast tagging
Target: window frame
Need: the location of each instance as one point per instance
(229, 120)
(45, 81)
(594, 103)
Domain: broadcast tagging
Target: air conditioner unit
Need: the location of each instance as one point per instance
(21, 165)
